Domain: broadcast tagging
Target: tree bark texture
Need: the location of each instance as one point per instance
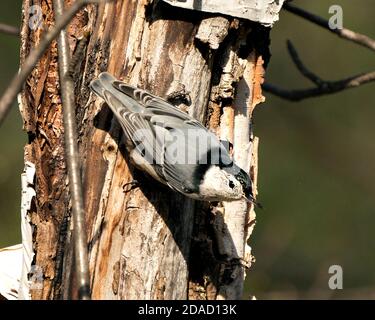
(146, 242)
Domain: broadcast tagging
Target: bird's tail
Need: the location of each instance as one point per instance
(119, 101)
(102, 83)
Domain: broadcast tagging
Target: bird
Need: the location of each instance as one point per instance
(171, 146)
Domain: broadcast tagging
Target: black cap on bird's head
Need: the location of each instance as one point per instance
(241, 176)
(245, 181)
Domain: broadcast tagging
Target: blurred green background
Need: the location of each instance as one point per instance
(316, 165)
(12, 138)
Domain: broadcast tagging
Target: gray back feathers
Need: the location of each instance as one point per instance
(159, 124)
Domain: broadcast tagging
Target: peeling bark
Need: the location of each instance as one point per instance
(265, 12)
(147, 242)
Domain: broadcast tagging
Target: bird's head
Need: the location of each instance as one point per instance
(220, 185)
(246, 184)
(226, 183)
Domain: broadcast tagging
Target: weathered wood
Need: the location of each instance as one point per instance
(147, 242)
(41, 110)
(265, 12)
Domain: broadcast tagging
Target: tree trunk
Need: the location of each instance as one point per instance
(146, 242)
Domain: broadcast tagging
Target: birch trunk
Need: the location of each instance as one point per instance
(146, 242)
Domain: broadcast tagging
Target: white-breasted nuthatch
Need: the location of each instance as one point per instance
(171, 146)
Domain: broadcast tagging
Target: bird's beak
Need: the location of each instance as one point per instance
(251, 200)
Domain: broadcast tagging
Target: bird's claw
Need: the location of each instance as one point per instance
(133, 184)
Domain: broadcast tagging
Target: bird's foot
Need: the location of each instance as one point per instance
(133, 184)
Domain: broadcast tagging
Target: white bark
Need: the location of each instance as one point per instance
(265, 12)
(28, 192)
(10, 271)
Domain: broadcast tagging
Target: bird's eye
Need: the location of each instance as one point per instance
(231, 184)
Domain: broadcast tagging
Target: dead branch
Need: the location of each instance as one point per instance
(328, 87)
(7, 29)
(72, 159)
(344, 33)
(323, 87)
(301, 66)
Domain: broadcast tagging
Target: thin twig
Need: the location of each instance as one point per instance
(7, 29)
(301, 67)
(72, 160)
(344, 33)
(18, 80)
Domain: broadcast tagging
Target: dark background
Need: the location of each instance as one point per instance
(316, 166)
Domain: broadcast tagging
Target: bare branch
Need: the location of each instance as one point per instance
(301, 67)
(326, 87)
(72, 160)
(323, 87)
(18, 80)
(7, 29)
(344, 33)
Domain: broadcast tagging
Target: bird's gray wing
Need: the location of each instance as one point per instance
(188, 155)
(153, 105)
(135, 99)
(137, 109)
(167, 120)
(182, 178)
(199, 151)
(137, 129)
